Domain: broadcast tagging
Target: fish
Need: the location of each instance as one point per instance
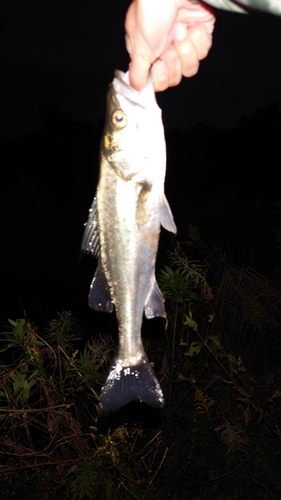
(122, 232)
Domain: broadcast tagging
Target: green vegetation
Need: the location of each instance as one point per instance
(219, 434)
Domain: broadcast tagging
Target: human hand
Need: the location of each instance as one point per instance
(169, 37)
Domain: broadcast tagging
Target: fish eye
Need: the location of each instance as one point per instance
(118, 118)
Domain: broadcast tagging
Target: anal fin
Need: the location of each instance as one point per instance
(155, 304)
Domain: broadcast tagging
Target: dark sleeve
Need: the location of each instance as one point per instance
(243, 6)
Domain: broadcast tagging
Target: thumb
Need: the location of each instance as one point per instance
(138, 72)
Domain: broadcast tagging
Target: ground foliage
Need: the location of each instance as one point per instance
(219, 434)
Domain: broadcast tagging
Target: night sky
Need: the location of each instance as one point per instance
(64, 54)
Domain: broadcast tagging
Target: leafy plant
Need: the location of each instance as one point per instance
(218, 435)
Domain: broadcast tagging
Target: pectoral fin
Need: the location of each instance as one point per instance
(99, 295)
(167, 219)
(90, 241)
(155, 304)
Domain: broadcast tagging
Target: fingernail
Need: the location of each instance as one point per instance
(159, 71)
(162, 74)
(181, 32)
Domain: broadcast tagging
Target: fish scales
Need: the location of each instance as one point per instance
(123, 230)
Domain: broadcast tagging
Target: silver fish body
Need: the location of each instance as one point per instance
(123, 232)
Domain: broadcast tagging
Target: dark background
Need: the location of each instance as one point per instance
(65, 53)
(57, 59)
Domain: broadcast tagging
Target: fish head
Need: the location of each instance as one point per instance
(133, 139)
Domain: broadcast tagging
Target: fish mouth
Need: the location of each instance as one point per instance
(144, 98)
(119, 75)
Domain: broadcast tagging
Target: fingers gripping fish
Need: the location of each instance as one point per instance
(123, 230)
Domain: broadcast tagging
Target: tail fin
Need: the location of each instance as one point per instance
(130, 383)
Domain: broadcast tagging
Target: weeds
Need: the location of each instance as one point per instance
(219, 434)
